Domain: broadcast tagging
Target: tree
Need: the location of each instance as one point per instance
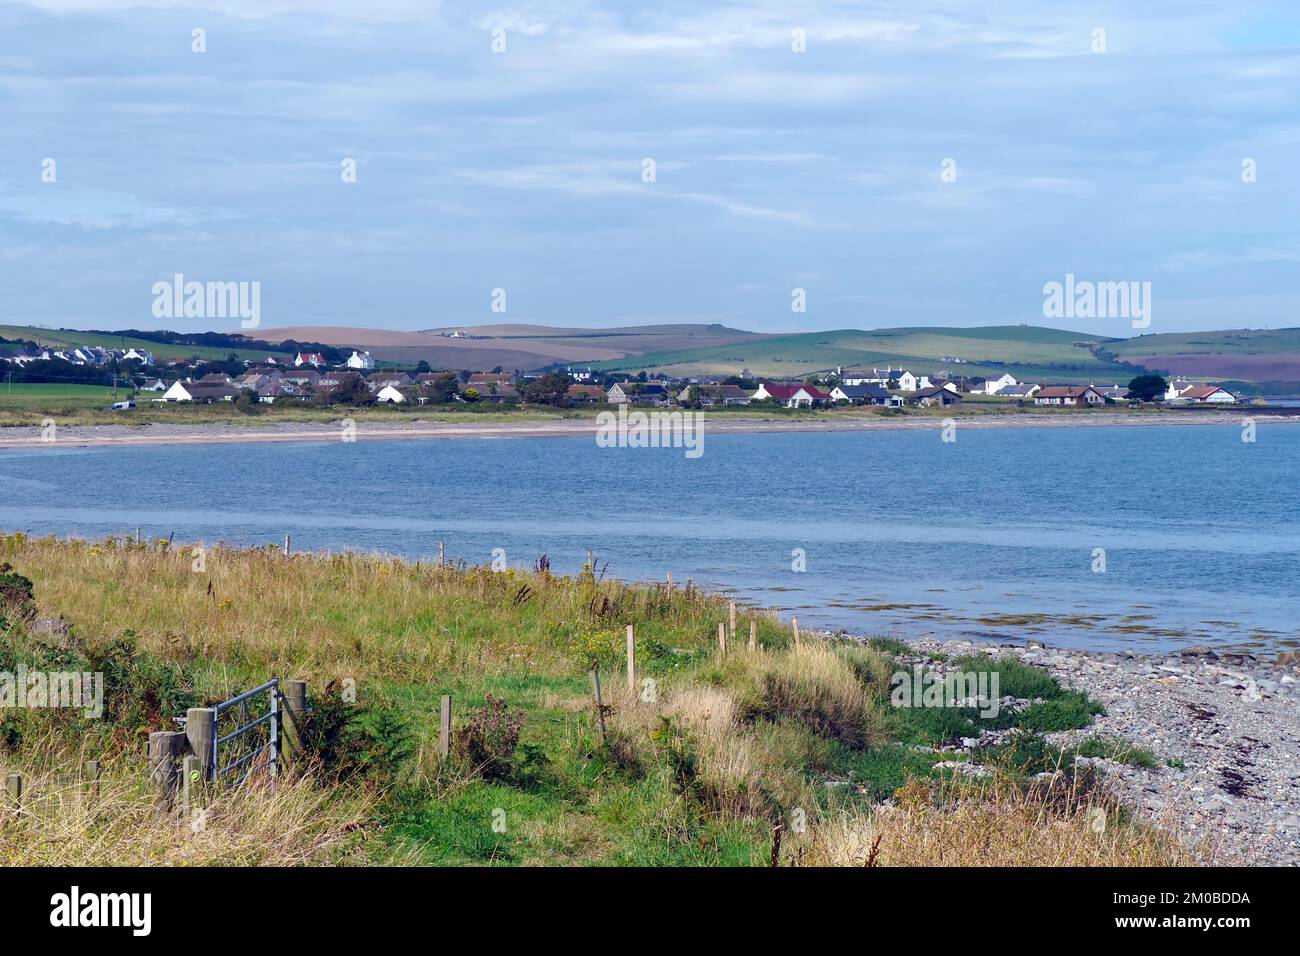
(423, 367)
(1147, 388)
(551, 389)
(443, 388)
(470, 395)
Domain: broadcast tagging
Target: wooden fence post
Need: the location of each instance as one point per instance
(442, 554)
(753, 635)
(165, 749)
(722, 638)
(444, 728)
(201, 732)
(14, 785)
(600, 705)
(631, 660)
(293, 715)
(670, 583)
(795, 621)
(286, 544)
(191, 779)
(90, 777)
(731, 629)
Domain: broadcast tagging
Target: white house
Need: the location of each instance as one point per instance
(138, 355)
(200, 392)
(1176, 388)
(994, 385)
(361, 360)
(390, 394)
(308, 358)
(907, 382)
(1211, 394)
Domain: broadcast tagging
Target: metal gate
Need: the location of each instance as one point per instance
(254, 721)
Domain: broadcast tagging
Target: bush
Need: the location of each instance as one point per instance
(349, 740)
(17, 599)
(487, 741)
(1015, 678)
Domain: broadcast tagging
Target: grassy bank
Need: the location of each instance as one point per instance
(709, 760)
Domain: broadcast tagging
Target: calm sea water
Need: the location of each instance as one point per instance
(992, 536)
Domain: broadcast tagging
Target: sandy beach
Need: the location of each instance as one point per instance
(419, 429)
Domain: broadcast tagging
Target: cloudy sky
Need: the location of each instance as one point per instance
(773, 169)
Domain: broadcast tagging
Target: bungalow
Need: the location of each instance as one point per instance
(585, 393)
(214, 378)
(1208, 394)
(200, 392)
(496, 392)
(309, 358)
(935, 395)
(1068, 395)
(637, 393)
(719, 394)
(382, 379)
(479, 379)
(360, 360)
(153, 385)
(138, 355)
(1113, 393)
(301, 377)
(792, 396)
(993, 386)
(1019, 391)
(861, 394)
(390, 395)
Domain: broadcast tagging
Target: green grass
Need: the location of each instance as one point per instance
(37, 392)
(72, 338)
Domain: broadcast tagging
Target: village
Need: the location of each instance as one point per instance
(310, 376)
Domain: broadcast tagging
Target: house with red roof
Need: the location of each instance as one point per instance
(1069, 395)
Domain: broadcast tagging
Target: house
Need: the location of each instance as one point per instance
(153, 385)
(383, 379)
(935, 395)
(792, 396)
(200, 392)
(480, 379)
(993, 386)
(138, 355)
(715, 394)
(907, 382)
(1208, 395)
(1068, 395)
(1019, 391)
(360, 360)
(585, 393)
(214, 378)
(1113, 393)
(501, 392)
(309, 358)
(303, 378)
(390, 395)
(637, 393)
(1176, 387)
(861, 394)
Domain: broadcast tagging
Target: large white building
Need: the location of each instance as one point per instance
(361, 360)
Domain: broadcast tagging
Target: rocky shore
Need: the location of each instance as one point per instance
(1224, 728)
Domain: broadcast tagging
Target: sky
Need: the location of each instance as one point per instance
(900, 162)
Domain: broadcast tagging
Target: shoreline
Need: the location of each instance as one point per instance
(1224, 727)
(168, 433)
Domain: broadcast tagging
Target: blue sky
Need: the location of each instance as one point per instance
(775, 169)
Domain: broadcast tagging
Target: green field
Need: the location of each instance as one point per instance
(1027, 352)
(27, 392)
(71, 338)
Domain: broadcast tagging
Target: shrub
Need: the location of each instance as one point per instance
(1015, 678)
(17, 599)
(349, 740)
(487, 741)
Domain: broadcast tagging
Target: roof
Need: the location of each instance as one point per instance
(789, 391)
(1022, 389)
(1201, 391)
(864, 391)
(1064, 391)
(933, 390)
(209, 390)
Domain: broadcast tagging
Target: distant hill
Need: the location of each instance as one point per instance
(513, 345)
(1268, 357)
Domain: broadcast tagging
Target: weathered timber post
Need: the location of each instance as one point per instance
(753, 635)
(286, 544)
(191, 782)
(293, 719)
(631, 659)
(14, 784)
(670, 583)
(201, 733)
(442, 554)
(731, 629)
(165, 750)
(444, 728)
(722, 639)
(90, 778)
(600, 705)
(795, 621)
